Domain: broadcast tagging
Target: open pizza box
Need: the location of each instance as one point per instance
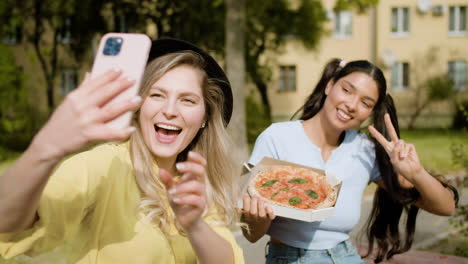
(310, 215)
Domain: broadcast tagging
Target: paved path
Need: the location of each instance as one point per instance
(429, 229)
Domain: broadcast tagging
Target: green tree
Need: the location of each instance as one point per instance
(360, 5)
(49, 24)
(436, 89)
(198, 21)
(269, 25)
(17, 125)
(427, 90)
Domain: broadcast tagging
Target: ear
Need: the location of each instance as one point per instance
(328, 88)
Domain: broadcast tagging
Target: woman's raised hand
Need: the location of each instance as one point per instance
(82, 116)
(187, 196)
(402, 155)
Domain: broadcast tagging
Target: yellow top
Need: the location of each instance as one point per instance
(90, 202)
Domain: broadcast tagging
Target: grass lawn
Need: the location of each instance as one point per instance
(433, 147)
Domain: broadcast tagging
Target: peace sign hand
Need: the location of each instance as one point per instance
(402, 155)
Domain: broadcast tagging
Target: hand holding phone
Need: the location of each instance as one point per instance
(128, 53)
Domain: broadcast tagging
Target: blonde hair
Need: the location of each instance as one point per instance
(212, 142)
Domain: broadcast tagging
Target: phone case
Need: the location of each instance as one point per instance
(131, 60)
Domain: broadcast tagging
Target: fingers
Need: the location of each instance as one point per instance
(194, 166)
(190, 168)
(395, 153)
(401, 150)
(197, 158)
(190, 189)
(261, 208)
(188, 193)
(380, 138)
(89, 85)
(391, 130)
(405, 150)
(105, 132)
(190, 200)
(193, 187)
(94, 94)
(104, 93)
(256, 208)
(253, 206)
(246, 202)
(166, 178)
(114, 110)
(270, 212)
(87, 78)
(411, 149)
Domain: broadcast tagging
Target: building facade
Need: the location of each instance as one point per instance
(412, 41)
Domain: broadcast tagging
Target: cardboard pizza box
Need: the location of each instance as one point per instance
(310, 215)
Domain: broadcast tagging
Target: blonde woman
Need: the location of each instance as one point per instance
(165, 195)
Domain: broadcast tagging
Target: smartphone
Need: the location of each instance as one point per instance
(128, 52)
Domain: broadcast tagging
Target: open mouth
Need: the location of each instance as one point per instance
(343, 115)
(167, 133)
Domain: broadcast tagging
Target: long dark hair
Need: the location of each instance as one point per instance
(389, 203)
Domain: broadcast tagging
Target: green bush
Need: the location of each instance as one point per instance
(18, 119)
(256, 118)
(460, 157)
(440, 88)
(6, 154)
(460, 118)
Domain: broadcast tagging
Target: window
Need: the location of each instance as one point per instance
(12, 34)
(343, 24)
(69, 80)
(287, 78)
(457, 72)
(64, 35)
(400, 21)
(458, 20)
(400, 76)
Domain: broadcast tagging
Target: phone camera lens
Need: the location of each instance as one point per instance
(112, 46)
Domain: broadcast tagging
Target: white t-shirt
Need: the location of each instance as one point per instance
(353, 162)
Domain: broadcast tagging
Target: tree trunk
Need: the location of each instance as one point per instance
(235, 68)
(415, 115)
(254, 68)
(263, 90)
(38, 30)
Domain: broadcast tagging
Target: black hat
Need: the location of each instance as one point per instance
(165, 46)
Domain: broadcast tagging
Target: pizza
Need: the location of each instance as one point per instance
(293, 187)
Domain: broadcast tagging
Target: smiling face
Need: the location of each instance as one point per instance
(350, 100)
(173, 112)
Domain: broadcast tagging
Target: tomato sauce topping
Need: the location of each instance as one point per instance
(297, 187)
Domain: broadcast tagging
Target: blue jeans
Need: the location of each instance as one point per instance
(343, 253)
